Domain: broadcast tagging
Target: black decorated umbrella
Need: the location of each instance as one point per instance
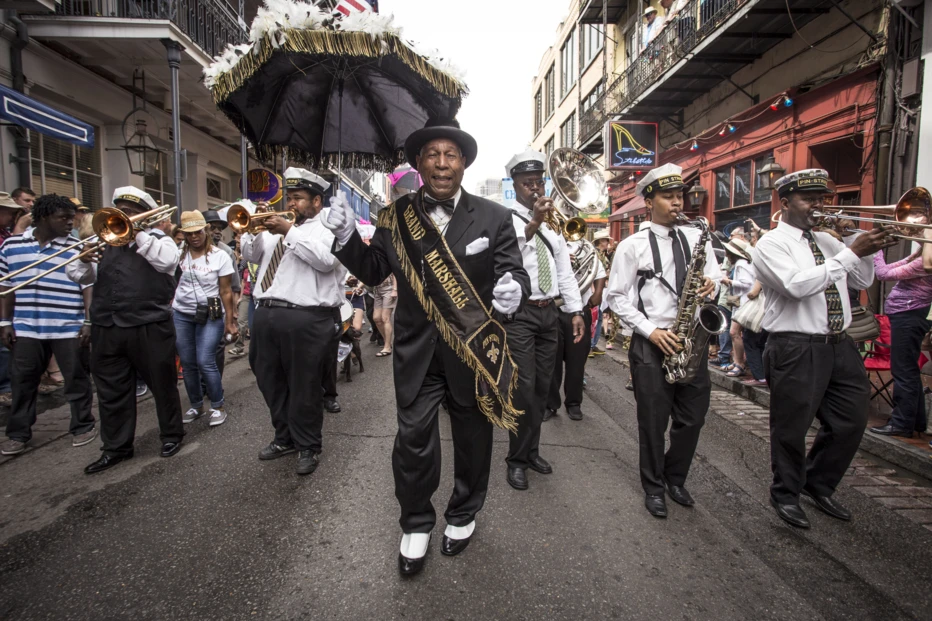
(333, 92)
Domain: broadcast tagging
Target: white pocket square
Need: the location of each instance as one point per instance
(477, 246)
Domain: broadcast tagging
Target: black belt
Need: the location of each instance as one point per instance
(811, 338)
(540, 303)
(272, 303)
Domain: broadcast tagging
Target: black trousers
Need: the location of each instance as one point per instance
(657, 403)
(754, 344)
(808, 380)
(416, 457)
(907, 331)
(30, 359)
(329, 384)
(288, 352)
(574, 356)
(370, 315)
(118, 356)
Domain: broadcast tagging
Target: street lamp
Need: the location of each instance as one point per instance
(696, 195)
(768, 173)
(141, 152)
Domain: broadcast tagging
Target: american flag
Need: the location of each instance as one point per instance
(348, 7)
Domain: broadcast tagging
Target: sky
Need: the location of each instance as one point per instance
(499, 44)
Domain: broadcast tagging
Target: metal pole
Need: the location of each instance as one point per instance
(174, 62)
(244, 154)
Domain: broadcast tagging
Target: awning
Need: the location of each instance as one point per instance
(635, 204)
(29, 113)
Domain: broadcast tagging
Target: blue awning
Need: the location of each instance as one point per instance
(29, 113)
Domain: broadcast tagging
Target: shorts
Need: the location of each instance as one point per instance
(358, 301)
(383, 297)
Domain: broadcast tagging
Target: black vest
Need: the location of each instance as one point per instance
(130, 292)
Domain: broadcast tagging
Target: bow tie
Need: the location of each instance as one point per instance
(447, 205)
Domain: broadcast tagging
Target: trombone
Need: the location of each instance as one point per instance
(241, 221)
(111, 226)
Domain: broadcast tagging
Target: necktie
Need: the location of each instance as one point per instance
(544, 277)
(273, 265)
(836, 312)
(679, 262)
(446, 205)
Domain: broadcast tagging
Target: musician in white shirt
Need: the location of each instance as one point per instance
(812, 366)
(298, 293)
(532, 333)
(644, 289)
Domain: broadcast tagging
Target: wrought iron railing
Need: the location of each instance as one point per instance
(211, 24)
(694, 23)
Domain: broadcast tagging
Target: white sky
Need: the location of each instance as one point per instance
(499, 44)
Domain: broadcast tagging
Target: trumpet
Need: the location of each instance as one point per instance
(241, 221)
(111, 226)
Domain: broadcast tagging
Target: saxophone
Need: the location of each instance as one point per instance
(696, 319)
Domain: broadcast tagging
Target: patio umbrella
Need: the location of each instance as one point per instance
(333, 92)
(406, 178)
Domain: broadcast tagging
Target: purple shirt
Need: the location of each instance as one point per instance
(913, 289)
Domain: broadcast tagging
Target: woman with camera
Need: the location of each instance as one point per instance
(203, 311)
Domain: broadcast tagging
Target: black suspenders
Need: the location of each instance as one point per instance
(657, 272)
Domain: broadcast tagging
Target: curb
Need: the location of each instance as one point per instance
(897, 453)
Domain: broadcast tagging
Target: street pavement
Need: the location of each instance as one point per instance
(213, 533)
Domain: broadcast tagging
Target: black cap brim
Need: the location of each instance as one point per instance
(419, 138)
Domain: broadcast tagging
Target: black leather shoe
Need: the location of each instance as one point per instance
(517, 478)
(890, 430)
(656, 506)
(274, 451)
(105, 462)
(332, 406)
(828, 505)
(539, 464)
(574, 412)
(679, 494)
(307, 462)
(170, 448)
(549, 413)
(410, 566)
(791, 514)
(452, 547)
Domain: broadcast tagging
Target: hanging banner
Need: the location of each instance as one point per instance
(264, 185)
(631, 145)
(508, 191)
(29, 113)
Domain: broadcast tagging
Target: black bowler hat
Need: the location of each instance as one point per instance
(445, 128)
(212, 217)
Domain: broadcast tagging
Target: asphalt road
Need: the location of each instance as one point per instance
(213, 533)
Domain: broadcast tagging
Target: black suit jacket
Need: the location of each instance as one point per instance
(416, 337)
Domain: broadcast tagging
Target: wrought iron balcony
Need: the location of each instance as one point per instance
(211, 24)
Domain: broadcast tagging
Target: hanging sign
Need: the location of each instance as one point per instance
(631, 145)
(263, 185)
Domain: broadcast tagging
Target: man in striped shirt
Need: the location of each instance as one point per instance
(46, 318)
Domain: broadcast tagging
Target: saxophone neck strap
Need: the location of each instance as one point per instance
(657, 272)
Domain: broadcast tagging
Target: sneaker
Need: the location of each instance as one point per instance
(141, 389)
(12, 447)
(307, 462)
(84, 438)
(192, 415)
(6, 398)
(274, 451)
(237, 351)
(218, 416)
(609, 346)
(596, 352)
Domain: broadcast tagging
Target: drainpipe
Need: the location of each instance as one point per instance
(885, 124)
(244, 154)
(19, 85)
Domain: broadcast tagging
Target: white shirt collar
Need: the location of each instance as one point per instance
(660, 230)
(790, 230)
(520, 209)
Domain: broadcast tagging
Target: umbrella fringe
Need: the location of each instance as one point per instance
(357, 44)
(365, 161)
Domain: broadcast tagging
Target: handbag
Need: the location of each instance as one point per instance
(864, 325)
(751, 314)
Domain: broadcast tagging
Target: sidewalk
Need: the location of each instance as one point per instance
(905, 489)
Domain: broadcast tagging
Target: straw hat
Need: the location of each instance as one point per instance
(192, 221)
(7, 201)
(80, 207)
(739, 247)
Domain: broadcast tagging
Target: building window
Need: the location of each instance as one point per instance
(538, 117)
(548, 147)
(591, 42)
(593, 96)
(568, 131)
(568, 63)
(550, 88)
(161, 185)
(65, 169)
(216, 191)
(736, 185)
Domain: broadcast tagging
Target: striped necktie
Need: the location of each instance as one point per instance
(836, 312)
(273, 265)
(544, 277)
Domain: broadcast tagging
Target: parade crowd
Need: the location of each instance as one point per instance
(484, 315)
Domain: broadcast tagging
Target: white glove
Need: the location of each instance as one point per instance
(506, 296)
(340, 219)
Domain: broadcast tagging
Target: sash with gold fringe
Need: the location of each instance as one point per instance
(452, 303)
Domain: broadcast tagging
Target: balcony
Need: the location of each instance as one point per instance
(703, 46)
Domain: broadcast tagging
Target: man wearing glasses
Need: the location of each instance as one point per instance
(533, 333)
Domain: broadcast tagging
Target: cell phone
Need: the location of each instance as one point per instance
(748, 227)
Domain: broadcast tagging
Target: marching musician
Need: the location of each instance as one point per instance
(455, 258)
(572, 352)
(298, 293)
(133, 335)
(812, 366)
(644, 290)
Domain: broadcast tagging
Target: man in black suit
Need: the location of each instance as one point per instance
(455, 258)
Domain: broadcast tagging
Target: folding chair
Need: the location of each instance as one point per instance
(877, 360)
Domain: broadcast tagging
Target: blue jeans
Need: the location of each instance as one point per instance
(724, 339)
(197, 348)
(909, 404)
(598, 329)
